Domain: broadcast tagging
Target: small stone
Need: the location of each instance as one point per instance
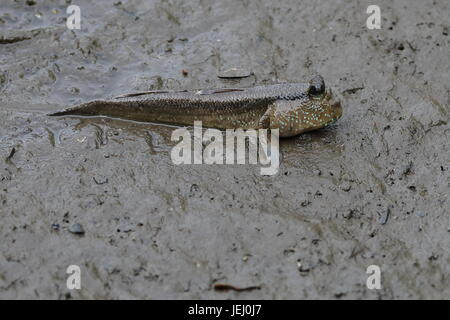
(421, 214)
(346, 186)
(348, 214)
(76, 229)
(194, 188)
(305, 203)
(384, 216)
(100, 180)
(235, 73)
(304, 270)
(433, 257)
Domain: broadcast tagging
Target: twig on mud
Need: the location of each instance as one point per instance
(11, 154)
(223, 287)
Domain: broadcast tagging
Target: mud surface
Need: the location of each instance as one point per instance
(371, 189)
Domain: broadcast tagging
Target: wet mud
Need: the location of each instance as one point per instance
(103, 194)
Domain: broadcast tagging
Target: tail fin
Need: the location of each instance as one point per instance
(92, 108)
(107, 108)
(66, 112)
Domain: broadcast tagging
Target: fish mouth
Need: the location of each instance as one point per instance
(335, 105)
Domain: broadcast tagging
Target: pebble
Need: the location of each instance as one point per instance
(76, 229)
(346, 186)
(100, 180)
(384, 216)
(421, 214)
(234, 73)
(348, 214)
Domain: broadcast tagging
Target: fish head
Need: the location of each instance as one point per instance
(316, 109)
(321, 108)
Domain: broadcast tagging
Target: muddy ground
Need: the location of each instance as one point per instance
(371, 189)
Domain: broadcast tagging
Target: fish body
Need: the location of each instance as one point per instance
(293, 108)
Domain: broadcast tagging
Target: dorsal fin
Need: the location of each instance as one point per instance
(200, 92)
(213, 91)
(134, 94)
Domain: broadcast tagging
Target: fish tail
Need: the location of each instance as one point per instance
(93, 108)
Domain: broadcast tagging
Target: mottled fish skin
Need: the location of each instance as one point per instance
(293, 108)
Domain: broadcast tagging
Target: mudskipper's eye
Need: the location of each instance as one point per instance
(316, 86)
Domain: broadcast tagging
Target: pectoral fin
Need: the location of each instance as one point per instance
(264, 122)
